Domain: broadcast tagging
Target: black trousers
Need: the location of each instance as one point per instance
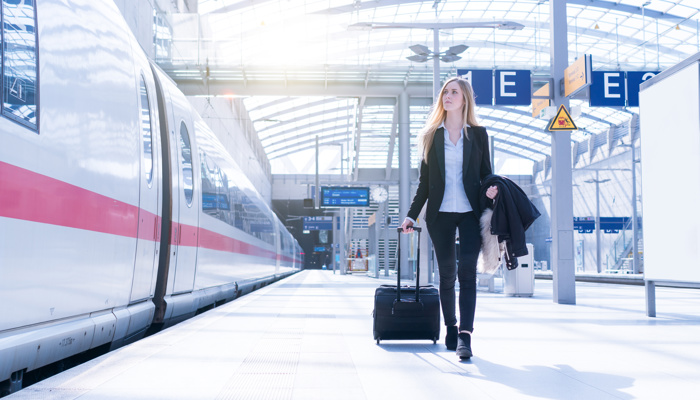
(443, 232)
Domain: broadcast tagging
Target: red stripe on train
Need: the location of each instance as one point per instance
(215, 241)
(29, 196)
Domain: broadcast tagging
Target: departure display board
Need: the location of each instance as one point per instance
(335, 196)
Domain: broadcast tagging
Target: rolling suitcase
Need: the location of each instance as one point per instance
(408, 312)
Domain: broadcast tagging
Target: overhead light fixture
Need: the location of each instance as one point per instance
(460, 48)
(450, 55)
(420, 49)
(514, 26)
(424, 54)
(417, 58)
(447, 58)
(360, 26)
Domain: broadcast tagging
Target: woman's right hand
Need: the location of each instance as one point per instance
(407, 226)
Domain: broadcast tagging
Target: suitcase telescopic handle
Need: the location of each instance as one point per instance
(398, 265)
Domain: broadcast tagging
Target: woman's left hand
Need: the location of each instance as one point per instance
(492, 192)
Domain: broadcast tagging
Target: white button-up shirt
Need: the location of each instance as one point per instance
(455, 199)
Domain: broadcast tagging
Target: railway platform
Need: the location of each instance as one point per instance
(309, 336)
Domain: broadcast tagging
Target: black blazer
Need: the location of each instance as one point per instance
(476, 165)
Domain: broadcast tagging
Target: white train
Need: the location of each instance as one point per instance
(106, 228)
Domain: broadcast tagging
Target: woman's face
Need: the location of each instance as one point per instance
(452, 97)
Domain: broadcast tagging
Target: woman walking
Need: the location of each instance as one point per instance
(456, 159)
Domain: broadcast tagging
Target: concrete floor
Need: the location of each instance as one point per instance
(310, 337)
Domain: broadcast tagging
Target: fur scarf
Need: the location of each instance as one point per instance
(491, 250)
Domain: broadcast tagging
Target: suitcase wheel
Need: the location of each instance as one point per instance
(434, 341)
(378, 340)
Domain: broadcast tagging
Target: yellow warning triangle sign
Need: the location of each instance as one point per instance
(562, 121)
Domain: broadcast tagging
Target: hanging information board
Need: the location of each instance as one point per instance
(336, 196)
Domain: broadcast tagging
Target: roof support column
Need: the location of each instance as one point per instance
(392, 142)
(404, 176)
(562, 228)
(358, 135)
(436, 63)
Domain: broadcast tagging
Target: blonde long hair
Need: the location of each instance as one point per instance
(438, 114)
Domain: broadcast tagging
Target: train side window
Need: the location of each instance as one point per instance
(224, 202)
(186, 149)
(146, 131)
(19, 62)
(209, 195)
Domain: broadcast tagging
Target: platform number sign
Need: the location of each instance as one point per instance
(513, 87)
(482, 83)
(617, 88)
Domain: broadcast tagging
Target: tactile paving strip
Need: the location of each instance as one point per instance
(269, 370)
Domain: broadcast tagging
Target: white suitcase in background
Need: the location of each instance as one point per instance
(521, 281)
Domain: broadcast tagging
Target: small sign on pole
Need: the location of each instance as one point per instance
(577, 76)
(562, 121)
(539, 104)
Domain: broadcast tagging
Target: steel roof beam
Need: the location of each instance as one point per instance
(283, 100)
(309, 144)
(302, 133)
(300, 107)
(529, 114)
(607, 5)
(312, 145)
(512, 153)
(489, 118)
(308, 138)
(521, 147)
(302, 118)
(296, 88)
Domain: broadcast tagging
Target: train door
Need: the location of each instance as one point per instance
(279, 245)
(147, 243)
(180, 194)
(186, 231)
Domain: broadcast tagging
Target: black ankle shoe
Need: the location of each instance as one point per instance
(451, 338)
(464, 345)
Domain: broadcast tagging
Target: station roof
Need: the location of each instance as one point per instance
(330, 68)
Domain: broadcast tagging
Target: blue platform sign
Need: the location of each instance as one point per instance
(482, 83)
(634, 79)
(318, 223)
(513, 87)
(584, 224)
(334, 196)
(607, 224)
(608, 89)
(613, 224)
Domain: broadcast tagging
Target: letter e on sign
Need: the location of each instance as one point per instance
(513, 87)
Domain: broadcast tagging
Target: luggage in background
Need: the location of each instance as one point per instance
(410, 312)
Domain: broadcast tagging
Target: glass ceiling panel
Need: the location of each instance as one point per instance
(313, 41)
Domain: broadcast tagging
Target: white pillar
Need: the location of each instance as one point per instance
(404, 176)
(562, 228)
(436, 63)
